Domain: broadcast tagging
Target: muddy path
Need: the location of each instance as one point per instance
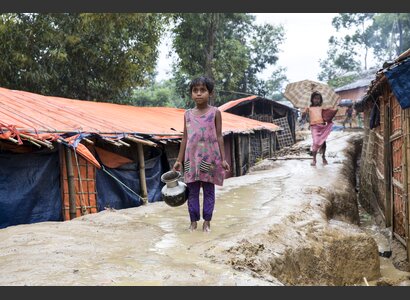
(284, 223)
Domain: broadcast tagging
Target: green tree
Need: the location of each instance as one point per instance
(227, 47)
(341, 60)
(386, 35)
(85, 56)
(275, 85)
(391, 35)
(157, 94)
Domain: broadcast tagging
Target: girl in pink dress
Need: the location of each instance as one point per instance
(202, 152)
(319, 128)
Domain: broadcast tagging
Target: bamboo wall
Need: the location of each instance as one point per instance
(384, 167)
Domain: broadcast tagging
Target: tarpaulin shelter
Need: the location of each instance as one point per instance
(385, 159)
(62, 158)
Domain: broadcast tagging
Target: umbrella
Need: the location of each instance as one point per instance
(299, 93)
(345, 103)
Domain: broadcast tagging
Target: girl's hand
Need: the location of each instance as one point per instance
(177, 166)
(225, 165)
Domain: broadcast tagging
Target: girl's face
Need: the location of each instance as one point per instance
(200, 94)
(316, 100)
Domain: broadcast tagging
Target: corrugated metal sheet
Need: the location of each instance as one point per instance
(36, 113)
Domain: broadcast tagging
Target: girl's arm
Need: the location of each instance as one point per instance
(304, 113)
(181, 154)
(218, 125)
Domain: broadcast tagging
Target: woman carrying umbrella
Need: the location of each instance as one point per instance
(320, 125)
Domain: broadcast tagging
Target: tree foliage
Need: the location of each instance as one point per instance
(391, 35)
(227, 47)
(157, 94)
(79, 55)
(386, 35)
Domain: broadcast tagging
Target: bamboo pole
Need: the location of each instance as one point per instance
(70, 181)
(37, 142)
(34, 143)
(112, 142)
(13, 140)
(140, 141)
(88, 141)
(143, 182)
(123, 143)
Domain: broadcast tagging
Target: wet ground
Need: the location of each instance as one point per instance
(281, 224)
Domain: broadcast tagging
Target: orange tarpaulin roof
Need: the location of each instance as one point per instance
(232, 103)
(46, 114)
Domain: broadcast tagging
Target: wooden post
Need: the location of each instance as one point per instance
(249, 150)
(387, 167)
(143, 182)
(70, 182)
(233, 156)
(406, 179)
(238, 148)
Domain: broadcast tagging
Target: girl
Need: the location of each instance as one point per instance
(319, 128)
(202, 151)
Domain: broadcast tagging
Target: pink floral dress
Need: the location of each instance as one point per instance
(202, 155)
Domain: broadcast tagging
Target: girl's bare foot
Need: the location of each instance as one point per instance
(193, 226)
(207, 226)
(325, 161)
(313, 163)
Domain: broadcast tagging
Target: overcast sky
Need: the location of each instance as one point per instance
(306, 34)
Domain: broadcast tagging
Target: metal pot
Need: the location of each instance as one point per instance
(174, 192)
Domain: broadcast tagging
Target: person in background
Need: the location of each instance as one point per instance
(202, 152)
(349, 115)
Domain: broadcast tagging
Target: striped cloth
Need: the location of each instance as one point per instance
(299, 93)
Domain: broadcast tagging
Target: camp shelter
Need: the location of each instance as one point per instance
(385, 158)
(266, 110)
(62, 158)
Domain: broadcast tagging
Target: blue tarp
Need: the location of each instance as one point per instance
(29, 188)
(112, 194)
(399, 80)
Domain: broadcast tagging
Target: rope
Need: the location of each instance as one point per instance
(123, 184)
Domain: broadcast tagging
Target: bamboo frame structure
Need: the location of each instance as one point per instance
(70, 182)
(143, 182)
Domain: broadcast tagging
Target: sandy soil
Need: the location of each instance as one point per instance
(284, 223)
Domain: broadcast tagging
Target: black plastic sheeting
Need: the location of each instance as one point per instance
(29, 188)
(113, 194)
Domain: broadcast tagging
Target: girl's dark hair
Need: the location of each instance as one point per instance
(202, 81)
(313, 95)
